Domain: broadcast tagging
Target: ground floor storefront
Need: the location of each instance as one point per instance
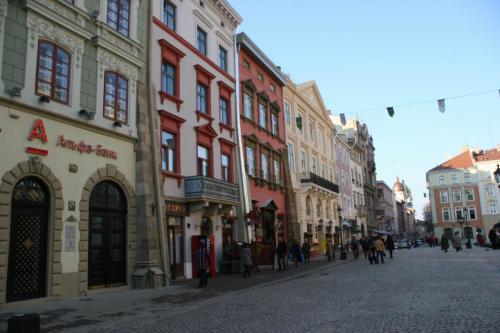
(67, 208)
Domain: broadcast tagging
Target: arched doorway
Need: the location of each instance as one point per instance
(27, 271)
(107, 236)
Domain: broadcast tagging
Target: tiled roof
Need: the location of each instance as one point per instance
(487, 155)
(463, 160)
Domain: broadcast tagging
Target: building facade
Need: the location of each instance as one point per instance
(486, 163)
(312, 160)
(263, 135)
(405, 216)
(386, 210)
(68, 100)
(192, 75)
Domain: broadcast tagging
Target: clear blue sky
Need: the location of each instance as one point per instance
(366, 54)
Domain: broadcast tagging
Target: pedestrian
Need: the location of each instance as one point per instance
(372, 257)
(492, 235)
(281, 251)
(295, 251)
(364, 246)
(444, 243)
(479, 238)
(380, 250)
(457, 242)
(306, 252)
(202, 261)
(329, 250)
(355, 247)
(246, 256)
(389, 245)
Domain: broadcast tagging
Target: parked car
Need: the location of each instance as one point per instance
(403, 244)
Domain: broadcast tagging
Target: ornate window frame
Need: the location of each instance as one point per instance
(134, 8)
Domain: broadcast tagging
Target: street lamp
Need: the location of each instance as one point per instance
(343, 254)
(468, 244)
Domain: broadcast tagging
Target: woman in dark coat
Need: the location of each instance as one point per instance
(444, 243)
(296, 254)
(389, 245)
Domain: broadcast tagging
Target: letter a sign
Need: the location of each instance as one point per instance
(38, 131)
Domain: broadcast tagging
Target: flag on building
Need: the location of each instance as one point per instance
(441, 105)
(390, 111)
(342, 119)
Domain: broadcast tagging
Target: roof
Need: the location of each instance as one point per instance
(242, 38)
(461, 161)
(398, 186)
(487, 155)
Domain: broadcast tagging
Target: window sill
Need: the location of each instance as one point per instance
(226, 127)
(206, 116)
(174, 175)
(174, 99)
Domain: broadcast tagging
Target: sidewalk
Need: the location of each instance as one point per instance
(61, 315)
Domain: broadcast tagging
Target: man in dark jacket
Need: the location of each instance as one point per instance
(202, 262)
(306, 251)
(281, 251)
(389, 245)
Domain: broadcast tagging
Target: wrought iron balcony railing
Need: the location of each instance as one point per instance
(211, 189)
(320, 181)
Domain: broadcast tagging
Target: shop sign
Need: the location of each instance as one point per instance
(173, 208)
(38, 132)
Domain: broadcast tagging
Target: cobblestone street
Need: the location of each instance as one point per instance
(420, 290)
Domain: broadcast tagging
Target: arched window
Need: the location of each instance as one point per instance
(53, 72)
(308, 206)
(115, 97)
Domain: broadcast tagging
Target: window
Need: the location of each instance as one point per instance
(260, 77)
(168, 73)
(493, 208)
(311, 132)
(119, 15)
(490, 190)
(277, 171)
(272, 87)
(53, 72)
(303, 162)
(169, 15)
(472, 213)
(201, 98)
(467, 178)
(444, 197)
(291, 158)
(457, 196)
(223, 111)
(458, 213)
(441, 180)
(454, 179)
(446, 214)
(314, 165)
(246, 64)
(225, 161)
(262, 116)
(323, 141)
(168, 151)
(274, 124)
(264, 166)
(323, 170)
(298, 122)
(250, 154)
(203, 161)
(247, 106)
(115, 97)
(469, 195)
(201, 37)
(288, 116)
(223, 58)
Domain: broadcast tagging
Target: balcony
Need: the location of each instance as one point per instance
(317, 181)
(200, 188)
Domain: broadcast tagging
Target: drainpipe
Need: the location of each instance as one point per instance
(242, 176)
(156, 169)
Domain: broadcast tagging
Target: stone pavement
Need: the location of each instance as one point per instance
(420, 290)
(107, 305)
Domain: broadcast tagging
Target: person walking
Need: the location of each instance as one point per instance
(364, 246)
(444, 243)
(295, 251)
(202, 261)
(329, 250)
(306, 252)
(389, 245)
(380, 249)
(492, 236)
(355, 247)
(457, 242)
(246, 255)
(372, 257)
(281, 251)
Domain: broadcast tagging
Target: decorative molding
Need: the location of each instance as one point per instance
(68, 11)
(121, 42)
(107, 61)
(39, 28)
(203, 19)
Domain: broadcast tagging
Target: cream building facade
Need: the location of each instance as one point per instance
(310, 136)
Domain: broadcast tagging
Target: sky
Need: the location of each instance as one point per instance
(366, 55)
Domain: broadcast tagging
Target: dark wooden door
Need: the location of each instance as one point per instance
(107, 237)
(27, 271)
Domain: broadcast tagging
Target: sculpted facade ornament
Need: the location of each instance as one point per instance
(119, 42)
(107, 61)
(63, 10)
(39, 28)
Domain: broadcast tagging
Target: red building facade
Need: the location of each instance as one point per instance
(264, 147)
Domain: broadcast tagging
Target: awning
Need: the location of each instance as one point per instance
(268, 204)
